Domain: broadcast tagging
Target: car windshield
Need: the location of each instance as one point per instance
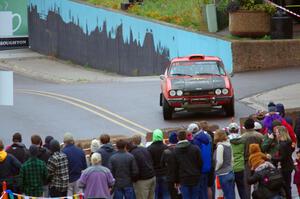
(190, 68)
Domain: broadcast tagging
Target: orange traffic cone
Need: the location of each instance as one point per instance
(219, 192)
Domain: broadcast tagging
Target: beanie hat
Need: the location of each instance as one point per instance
(271, 107)
(233, 126)
(54, 146)
(33, 150)
(157, 135)
(257, 126)
(249, 123)
(280, 109)
(48, 139)
(256, 157)
(95, 145)
(173, 138)
(192, 128)
(68, 137)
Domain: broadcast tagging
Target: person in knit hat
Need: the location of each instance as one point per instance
(156, 150)
(272, 107)
(256, 157)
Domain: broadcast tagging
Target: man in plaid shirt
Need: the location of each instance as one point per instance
(33, 174)
(58, 171)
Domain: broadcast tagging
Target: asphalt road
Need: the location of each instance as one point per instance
(125, 107)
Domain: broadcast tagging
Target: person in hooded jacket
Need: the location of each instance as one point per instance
(9, 167)
(238, 158)
(188, 167)
(281, 110)
(156, 150)
(18, 149)
(168, 160)
(203, 140)
(47, 142)
(260, 168)
(144, 182)
(106, 150)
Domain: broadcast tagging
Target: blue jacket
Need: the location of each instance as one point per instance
(204, 142)
(76, 161)
(106, 151)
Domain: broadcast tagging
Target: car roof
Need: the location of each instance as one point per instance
(196, 57)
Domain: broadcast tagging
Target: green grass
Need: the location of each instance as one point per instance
(186, 13)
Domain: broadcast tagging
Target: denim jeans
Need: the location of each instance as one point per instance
(203, 186)
(161, 188)
(127, 193)
(190, 192)
(240, 183)
(227, 185)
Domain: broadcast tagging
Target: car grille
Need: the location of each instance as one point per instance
(197, 93)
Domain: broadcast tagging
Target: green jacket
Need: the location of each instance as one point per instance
(238, 153)
(269, 146)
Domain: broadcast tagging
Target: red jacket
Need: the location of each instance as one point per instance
(290, 130)
(297, 173)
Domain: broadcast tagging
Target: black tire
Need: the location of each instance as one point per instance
(229, 109)
(167, 110)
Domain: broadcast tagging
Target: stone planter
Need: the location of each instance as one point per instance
(246, 23)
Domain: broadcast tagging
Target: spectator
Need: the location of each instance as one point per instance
(168, 160)
(43, 153)
(191, 130)
(250, 136)
(188, 167)
(284, 157)
(9, 167)
(95, 146)
(224, 167)
(124, 168)
(156, 150)
(106, 150)
(33, 174)
(297, 172)
(137, 140)
(260, 171)
(144, 184)
(238, 157)
(76, 163)
(18, 149)
(58, 171)
(203, 140)
(97, 180)
(297, 129)
(281, 110)
(47, 142)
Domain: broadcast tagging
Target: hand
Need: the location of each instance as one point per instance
(176, 185)
(269, 156)
(271, 136)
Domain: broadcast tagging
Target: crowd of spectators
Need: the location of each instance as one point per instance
(255, 157)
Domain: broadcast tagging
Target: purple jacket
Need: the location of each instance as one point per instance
(96, 181)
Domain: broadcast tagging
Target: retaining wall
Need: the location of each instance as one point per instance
(114, 41)
(267, 54)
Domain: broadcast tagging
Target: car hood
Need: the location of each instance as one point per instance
(198, 83)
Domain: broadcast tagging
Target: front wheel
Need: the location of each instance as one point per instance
(229, 109)
(167, 110)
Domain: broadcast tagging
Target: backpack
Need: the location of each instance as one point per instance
(272, 179)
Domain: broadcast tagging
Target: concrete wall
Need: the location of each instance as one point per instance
(267, 54)
(114, 41)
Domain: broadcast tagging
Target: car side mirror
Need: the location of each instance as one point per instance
(162, 77)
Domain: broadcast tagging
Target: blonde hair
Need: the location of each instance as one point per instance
(284, 135)
(220, 136)
(96, 158)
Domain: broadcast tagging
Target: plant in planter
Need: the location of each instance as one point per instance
(250, 18)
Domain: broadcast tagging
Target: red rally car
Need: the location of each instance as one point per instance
(196, 83)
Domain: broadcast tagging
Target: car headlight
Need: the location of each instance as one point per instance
(225, 91)
(172, 93)
(179, 93)
(218, 91)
